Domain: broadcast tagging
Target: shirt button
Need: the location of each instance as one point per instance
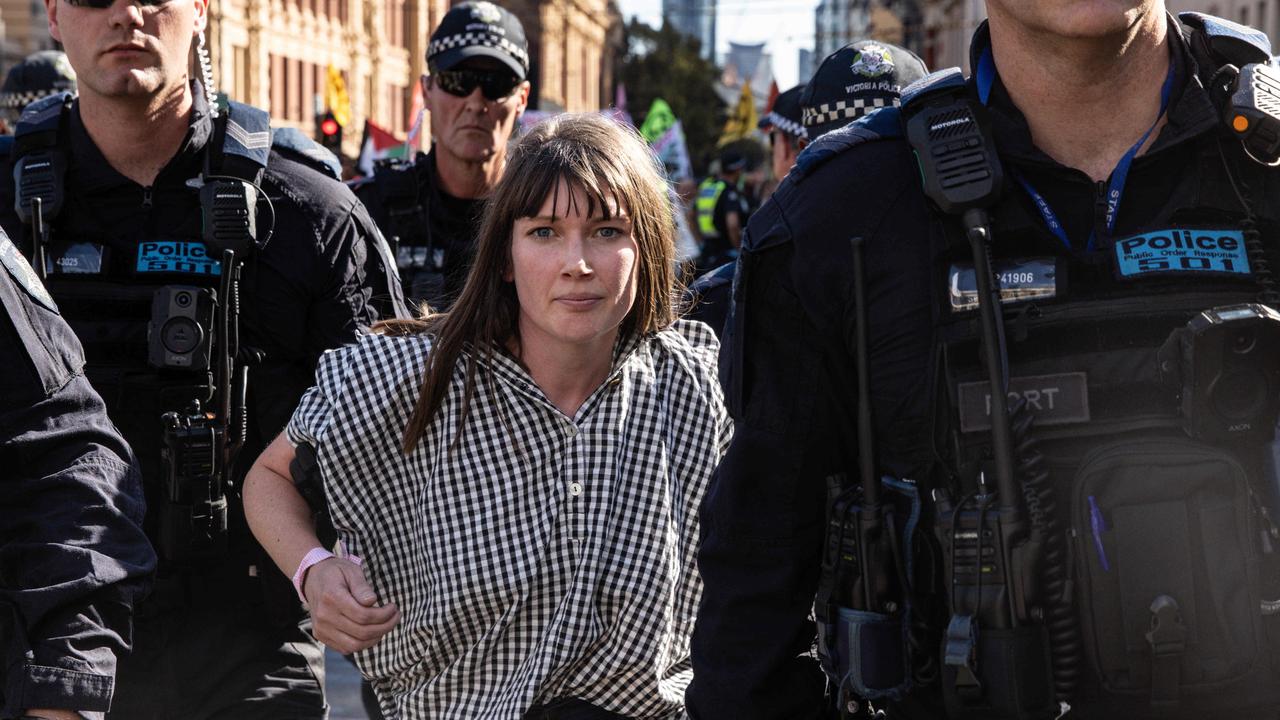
(571, 430)
(575, 489)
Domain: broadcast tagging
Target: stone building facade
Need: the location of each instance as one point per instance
(573, 46)
(275, 54)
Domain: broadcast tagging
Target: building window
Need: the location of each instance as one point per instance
(240, 72)
(308, 89)
(294, 98)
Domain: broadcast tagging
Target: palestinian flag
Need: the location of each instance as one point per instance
(378, 144)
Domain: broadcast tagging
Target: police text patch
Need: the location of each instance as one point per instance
(177, 256)
(1182, 251)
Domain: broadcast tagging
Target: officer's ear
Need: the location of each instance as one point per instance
(522, 97)
(51, 11)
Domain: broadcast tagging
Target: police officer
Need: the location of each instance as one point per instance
(41, 74)
(475, 90)
(1128, 212)
(199, 355)
(722, 210)
(784, 124)
(74, 556)
(851, 82)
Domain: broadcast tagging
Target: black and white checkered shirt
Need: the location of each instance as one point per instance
(546, 557)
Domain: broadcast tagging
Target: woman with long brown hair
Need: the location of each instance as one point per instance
(515, 483)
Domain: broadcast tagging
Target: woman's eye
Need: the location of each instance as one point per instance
(542, 232)
(609, 232)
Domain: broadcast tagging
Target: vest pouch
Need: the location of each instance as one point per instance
(1167, 556)
(1012, 665)
(874, 646)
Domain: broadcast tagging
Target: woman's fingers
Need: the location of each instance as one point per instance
(342, 609)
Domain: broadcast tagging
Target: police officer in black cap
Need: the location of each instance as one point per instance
(787, 135)
(73, 555)
(206, 261)
(475, 89)
(40, 75)
(1005, 375)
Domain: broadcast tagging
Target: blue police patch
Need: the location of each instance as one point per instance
(1182, 251)
(23, 273)
(177, 256)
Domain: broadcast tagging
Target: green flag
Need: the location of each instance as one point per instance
(658, 121)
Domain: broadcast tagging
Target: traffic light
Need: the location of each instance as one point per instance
(329, 133)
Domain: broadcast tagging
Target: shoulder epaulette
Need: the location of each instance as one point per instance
(880, 125)
(40, 123)
(1235, 43)
(42, 115)
(722, 275)
(248, 133)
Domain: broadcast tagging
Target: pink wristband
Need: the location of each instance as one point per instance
(313, 556)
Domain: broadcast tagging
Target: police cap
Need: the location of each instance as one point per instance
(785, 114)
(857, 79)
(479, 29)
(41, 74)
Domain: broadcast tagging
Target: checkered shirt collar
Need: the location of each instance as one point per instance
(845, 110)
(467, 39)
(787, 125)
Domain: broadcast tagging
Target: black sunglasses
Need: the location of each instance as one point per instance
(493, 84)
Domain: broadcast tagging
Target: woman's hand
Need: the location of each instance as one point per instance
(343, 609)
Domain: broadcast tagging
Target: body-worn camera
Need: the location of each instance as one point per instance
(1227, 362)
(180, 335)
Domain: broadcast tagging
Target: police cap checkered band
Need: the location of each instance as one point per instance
(19, 100)
(785, 124)
(845, 110)
(470, 39)
(475, 30)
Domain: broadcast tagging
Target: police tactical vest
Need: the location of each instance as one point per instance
(405, 191)
(1138, 446)
(155, 308)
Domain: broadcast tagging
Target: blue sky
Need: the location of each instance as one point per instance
(786, 25)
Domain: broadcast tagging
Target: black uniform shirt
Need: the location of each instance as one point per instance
(73, 556)
(790, 375)
(433, 233)
(317, 282)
